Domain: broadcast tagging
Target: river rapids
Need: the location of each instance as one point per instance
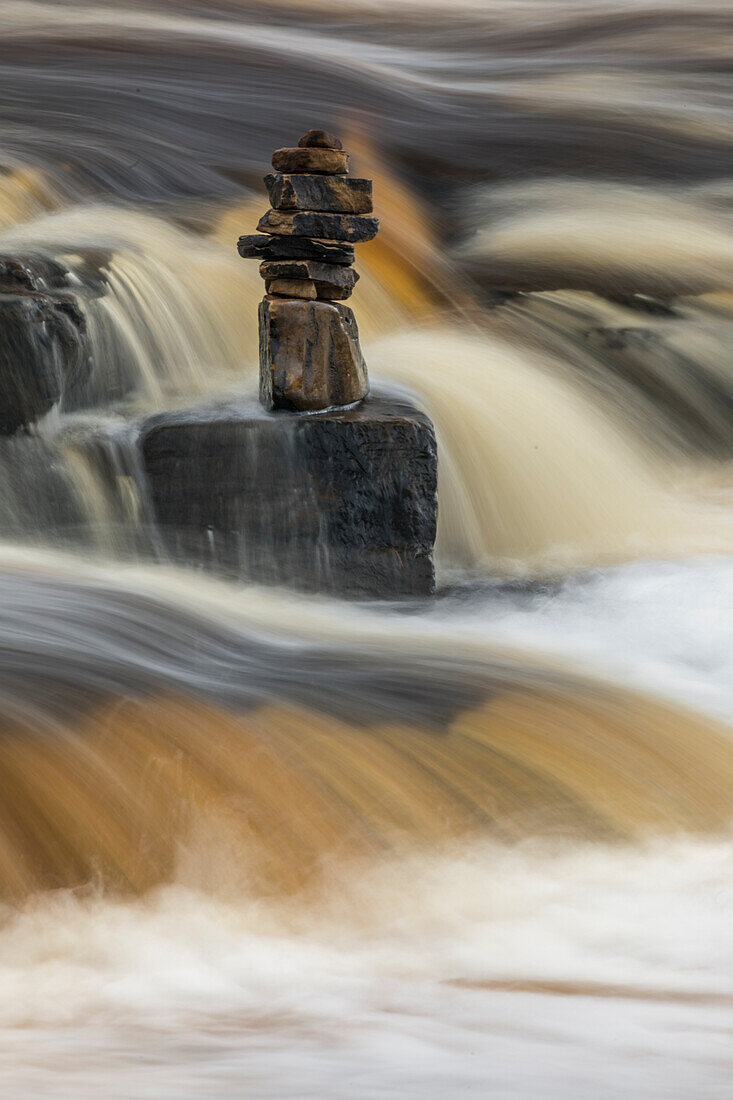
(260, 844)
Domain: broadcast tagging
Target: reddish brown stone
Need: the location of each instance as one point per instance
(319, 139)
(309, 223)
(331, 162)
(291, 288)
(337, 194)
(310, 357)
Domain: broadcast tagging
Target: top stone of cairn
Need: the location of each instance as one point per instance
(317, 152)
(319, 139)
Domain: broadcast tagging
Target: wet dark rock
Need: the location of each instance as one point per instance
(311, 223)
(41, 353)
(342, 501)
(257, 246)
(319, 139)
(338, 194)
(327, 161)
(67, 290)
(309, 355)
(693, 400)
(39, 273)
(329, 292)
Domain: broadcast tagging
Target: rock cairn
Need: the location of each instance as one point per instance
(310, 357)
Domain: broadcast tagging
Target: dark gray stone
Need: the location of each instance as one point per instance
(341, 501)
(338, 194)
(41, 352)
(309, 223)
(326, 276)
(257, 246)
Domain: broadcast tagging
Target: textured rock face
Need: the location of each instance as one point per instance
(309, 355)
(311, 159)
(341, 194)
(309, 269)
(41, 351)
(353, 228)
(341, 501)
(255, 246)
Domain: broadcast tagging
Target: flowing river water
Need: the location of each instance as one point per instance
(254, 843)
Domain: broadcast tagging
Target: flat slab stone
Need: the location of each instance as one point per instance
(310, 223)
(311, 159)
(309, 355)
(258, 246)
(338, 194)
(309, 269)
(340, 502)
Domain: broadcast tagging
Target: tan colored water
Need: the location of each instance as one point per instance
(138, 793)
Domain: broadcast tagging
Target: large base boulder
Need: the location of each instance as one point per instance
(342, 501)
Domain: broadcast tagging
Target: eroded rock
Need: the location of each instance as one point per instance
(39, 350)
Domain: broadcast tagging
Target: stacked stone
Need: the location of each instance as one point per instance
(310, 357)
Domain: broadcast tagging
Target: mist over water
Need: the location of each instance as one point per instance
(258, 843)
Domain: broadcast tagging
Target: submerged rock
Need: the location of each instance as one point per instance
(291, 288)
(341, 501)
